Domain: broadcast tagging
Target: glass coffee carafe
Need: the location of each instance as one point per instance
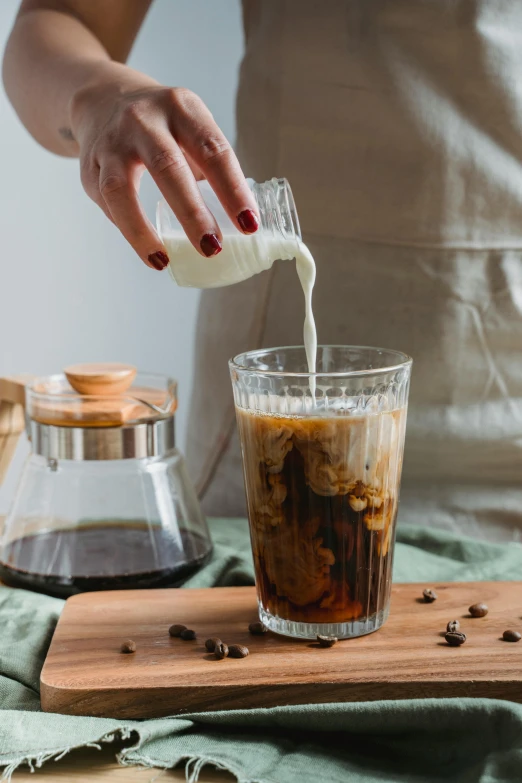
(104, 501)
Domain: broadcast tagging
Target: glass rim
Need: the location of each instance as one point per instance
(405, 362)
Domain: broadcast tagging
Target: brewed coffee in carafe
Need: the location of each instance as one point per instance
(104, 501)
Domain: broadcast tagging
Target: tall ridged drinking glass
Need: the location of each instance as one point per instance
(322, 476)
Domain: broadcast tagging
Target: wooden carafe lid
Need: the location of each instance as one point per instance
(102, 395)
(100, 379)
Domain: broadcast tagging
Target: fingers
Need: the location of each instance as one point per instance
(118, 190)
(172, 134)
(194, 128)
(90, 180)
(173, 176)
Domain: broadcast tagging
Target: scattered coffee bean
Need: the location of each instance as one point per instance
(455, 638)
(453, 625)
(326, 641)
(188, 634)
(257, 629)
(177, 630)
(511, 636)
(210, 644)
(429, 595)
(478, 610)
(128, 647)
(238, 651)
(220, 650)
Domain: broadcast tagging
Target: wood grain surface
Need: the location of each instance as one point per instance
(85, 674)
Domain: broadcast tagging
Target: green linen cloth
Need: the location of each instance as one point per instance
(460, 740)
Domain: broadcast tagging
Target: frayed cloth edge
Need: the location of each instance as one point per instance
(35, 761)
(193, 766)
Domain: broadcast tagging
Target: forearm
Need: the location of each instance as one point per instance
(50, 58)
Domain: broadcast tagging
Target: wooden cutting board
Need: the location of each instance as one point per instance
(85, 674)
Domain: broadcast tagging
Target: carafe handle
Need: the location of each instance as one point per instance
(12, 417)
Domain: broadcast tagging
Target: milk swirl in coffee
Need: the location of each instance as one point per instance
(322, 494)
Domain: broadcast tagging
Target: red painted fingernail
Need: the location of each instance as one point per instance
(210, 245)
(159, 260)
(248, 221)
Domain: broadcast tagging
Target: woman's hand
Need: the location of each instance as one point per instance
(128, 123)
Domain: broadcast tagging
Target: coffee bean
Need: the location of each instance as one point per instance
(453, 625)
(220, 650)
(128, 647)
(478, 610)
(188, 634)
(429, 595)
(177, 630)
(238, 651)
(326, 641)
(210, 644)
(455, 638)
(257, 629)
(511, 636)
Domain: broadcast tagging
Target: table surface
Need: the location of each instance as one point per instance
(95, 766)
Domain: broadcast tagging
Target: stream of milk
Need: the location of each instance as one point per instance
(306, 272)
(243, 256)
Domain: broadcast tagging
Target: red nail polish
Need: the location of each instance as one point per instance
(210, 245)
(248, 221)
(159, 260)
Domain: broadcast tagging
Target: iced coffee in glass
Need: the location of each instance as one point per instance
(322, 469)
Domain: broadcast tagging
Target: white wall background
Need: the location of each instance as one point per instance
(71, 289)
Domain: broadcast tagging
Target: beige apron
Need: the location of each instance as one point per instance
(399, 126)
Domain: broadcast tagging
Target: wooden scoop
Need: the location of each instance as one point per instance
(100, 379)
